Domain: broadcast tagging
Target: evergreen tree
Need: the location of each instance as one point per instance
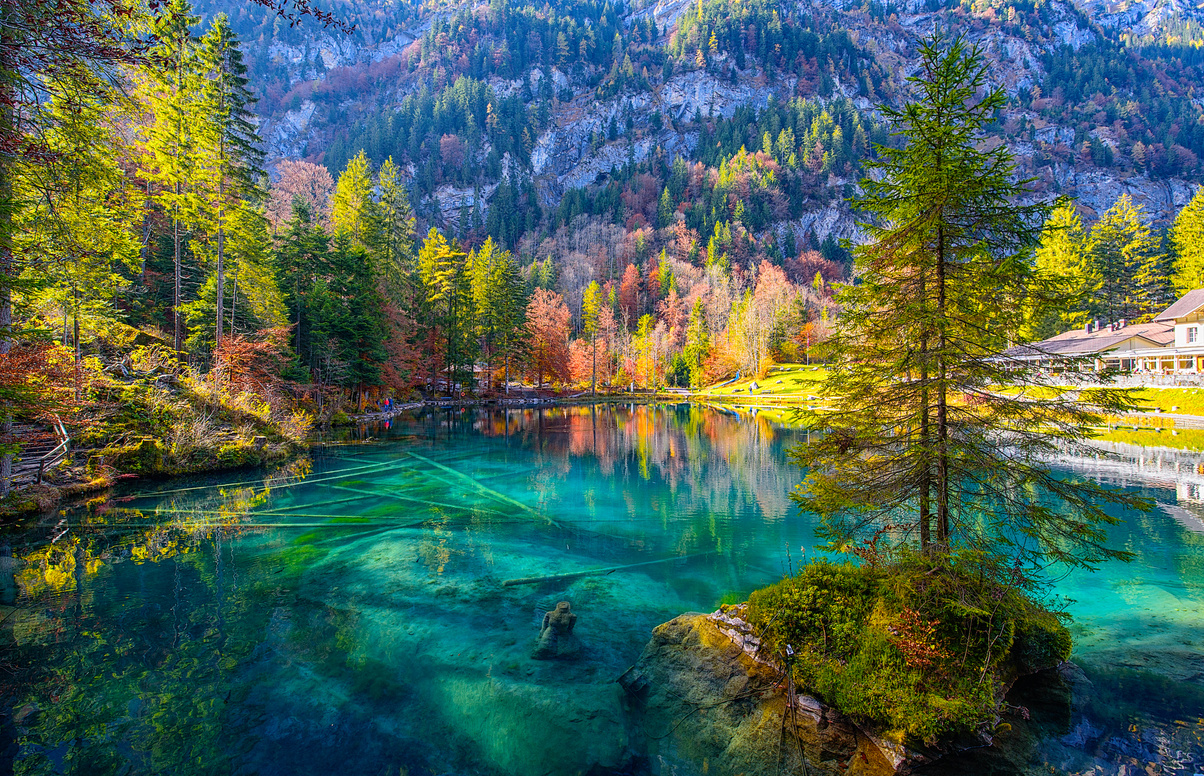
(1187, 245)
(698, 343)
(923, 446)
(172, 142)
(447, 295)
(301, 258)
(231, 151)
(481, 266)
(509, 302)
(1062, 261)
(347, 322)
(74, 235)
(255, 298)
(591, 303)
(1127, 258)
(393, 237)
(664, 210)
(353, 209)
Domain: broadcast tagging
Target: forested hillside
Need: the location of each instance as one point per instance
(442, 198)
(724, 132)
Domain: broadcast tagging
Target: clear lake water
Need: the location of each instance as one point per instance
(350, 613)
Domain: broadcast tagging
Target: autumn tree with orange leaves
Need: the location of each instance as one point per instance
(548, 326)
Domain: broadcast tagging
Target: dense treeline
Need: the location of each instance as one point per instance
(443, 135)
(1102, 85)
(792, 43)
(153, 242)
(1121, 268)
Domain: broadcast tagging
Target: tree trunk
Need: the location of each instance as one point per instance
(221, 254)
(8, 149)
(75, 343)
(177, 297)
(942, 414)
(925, 442)
(925, 432)
(450, 318)
(175, 239)
(297, 294)
(233, 298)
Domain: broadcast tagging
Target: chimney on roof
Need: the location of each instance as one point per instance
(1090, 327)
(1121, 323)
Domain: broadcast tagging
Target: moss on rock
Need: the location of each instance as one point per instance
(144, 457)
(923, 649)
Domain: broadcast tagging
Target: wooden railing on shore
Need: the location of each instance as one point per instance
(32, 469)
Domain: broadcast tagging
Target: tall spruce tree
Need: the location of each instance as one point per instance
(301, 258)
(231, 154)
(698, 343)
(441, 267)
(1127, 257)
(1062, 262)
(172, 140)
(393, 238)
(928, 445)
(480, 269)
(353, 209)
(508, 298)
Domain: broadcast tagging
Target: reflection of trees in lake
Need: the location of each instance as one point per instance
(700, 479)
(130, 642)
(82, 545)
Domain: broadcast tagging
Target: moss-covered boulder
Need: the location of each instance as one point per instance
(922, 650)
(702, 700)
(145, 456)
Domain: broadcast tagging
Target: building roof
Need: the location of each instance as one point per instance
(1187, 304)
(1077, 342)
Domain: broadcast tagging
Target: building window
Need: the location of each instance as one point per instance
(1192, 333)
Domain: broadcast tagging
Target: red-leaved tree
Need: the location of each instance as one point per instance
(548, 327)
(308, 182)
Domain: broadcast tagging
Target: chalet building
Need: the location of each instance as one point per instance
(1171, 344)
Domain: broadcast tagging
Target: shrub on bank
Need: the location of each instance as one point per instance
(923, 647)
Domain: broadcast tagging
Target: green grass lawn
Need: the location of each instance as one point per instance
(803, 382)
(783, 380)
(1184, 401)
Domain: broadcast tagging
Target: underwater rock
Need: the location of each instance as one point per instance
(556, 639)
(703, 692)
(700, 693)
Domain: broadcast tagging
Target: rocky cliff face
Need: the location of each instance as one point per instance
(564, 157)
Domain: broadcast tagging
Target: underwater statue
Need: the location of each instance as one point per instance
(556, 639)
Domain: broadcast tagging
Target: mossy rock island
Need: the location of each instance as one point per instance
(857, 670)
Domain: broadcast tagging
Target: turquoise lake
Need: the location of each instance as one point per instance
(351, 614)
